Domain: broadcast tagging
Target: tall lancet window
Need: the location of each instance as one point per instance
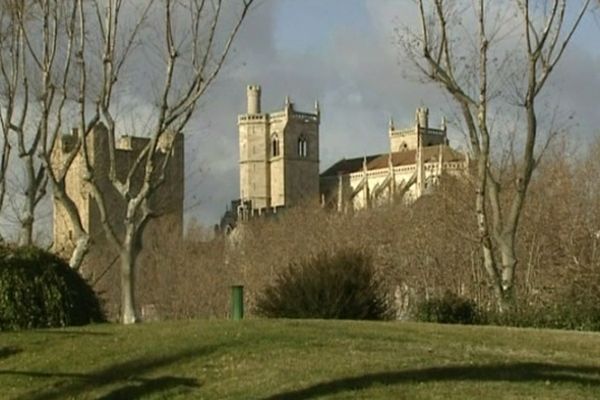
(302, 146)
(274, 146)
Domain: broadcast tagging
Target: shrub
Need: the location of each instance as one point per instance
(447, 309)
(343, 285)
(39, 290)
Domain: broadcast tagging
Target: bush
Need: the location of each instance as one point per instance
(339, 286)
(448, 309)
(39, 290)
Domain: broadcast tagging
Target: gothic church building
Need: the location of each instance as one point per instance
(279, 163)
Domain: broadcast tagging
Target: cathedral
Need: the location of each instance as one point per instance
(279, 163)
(416, 159)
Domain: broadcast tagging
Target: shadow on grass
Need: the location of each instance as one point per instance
(128, 373)
(156, 385)
(6, 352)
(70, 332)
(513, 372)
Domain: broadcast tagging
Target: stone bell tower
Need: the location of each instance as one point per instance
(421, 132)
(279, 156)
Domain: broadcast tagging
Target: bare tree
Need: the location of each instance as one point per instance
(473, 78)
(68, 63)
(8, 74)
(37, 54)
(21, 99)
(193, 45)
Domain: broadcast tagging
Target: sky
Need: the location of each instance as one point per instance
(343, 54)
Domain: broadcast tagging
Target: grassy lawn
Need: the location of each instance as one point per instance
(267, 359)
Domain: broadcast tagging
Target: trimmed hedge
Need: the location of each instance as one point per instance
(343, 285)
(39, 290)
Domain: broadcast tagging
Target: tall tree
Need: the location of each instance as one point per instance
(194, 38)
(22, 99)
(478, 81)
(84, 59)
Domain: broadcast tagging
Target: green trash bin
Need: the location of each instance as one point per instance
(237, 302)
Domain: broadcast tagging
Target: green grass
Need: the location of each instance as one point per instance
(270, 359)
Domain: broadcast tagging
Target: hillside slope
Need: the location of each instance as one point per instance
(286, 359)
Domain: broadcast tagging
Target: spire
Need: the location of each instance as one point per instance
(440, 160)
(287, 100)
(340, 199)
(444, 124)
(422, 117)
(317, 107)
(366, 184)
(392, 177)
(420, 172)
(391, 124)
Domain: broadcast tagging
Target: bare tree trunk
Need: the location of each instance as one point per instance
(34, 191)
(27, 214)
(82, 247)
(26, 230)
(128, 255)
(6, 150)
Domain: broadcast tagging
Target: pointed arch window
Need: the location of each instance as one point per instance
(302, 146)
(275, 146)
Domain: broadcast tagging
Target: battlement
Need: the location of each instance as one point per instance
(252, 118)
(419, 134)
(411, 131)
(304, 117)
(130, 143)
(68, 142)
(289, 114)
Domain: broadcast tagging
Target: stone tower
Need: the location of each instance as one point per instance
(279, 156)
(408, 139)
(166, 202)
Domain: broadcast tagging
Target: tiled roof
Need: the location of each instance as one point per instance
(348, 166)
(406, 157)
